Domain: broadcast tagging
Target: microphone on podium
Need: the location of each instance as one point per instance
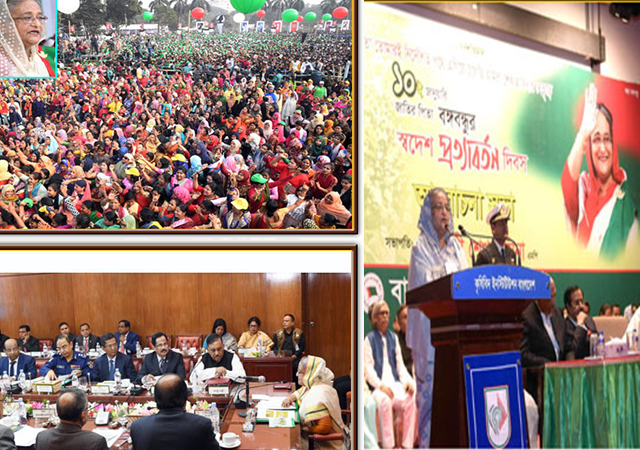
(473, 241)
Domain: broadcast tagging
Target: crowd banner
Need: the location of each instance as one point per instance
(491, 122)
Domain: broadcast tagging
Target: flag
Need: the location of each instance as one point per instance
(107, 26)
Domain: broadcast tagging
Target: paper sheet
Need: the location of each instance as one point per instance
(110, 435)
(26, 436)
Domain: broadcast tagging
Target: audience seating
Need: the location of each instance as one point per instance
(612, 326)
(192, 340)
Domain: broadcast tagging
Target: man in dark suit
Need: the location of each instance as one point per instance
(162, 361)
(172, 428)
(126, 338)
(69, 435)
(65, 330)
(3, 339)
(105, 366)
(543, 336)
(15, 361)
(580, 326)
(87, 341)
(497, 252)
(7, 440)
(27, 343)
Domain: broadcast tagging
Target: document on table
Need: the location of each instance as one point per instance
(110, 435)
(26, 436)
(273, 403)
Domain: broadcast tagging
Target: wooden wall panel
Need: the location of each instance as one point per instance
(283, 289)
(184, 303)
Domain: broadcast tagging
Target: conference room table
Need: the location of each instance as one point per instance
(592, 403)
(262, 437)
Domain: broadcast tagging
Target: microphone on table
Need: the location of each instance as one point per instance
(473, 241)
(260, 379)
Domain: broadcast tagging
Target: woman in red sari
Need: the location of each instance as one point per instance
(323, 182)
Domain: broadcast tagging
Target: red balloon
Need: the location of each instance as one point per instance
(261, 13)
(197, 13)
(340, 13)
(300, 19)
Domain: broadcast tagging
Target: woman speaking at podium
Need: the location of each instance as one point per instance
(435, 254)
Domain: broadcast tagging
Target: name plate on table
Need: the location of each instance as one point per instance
(50, 387)
(500, 282)
(100, 389)
(218, 386)
(43, 413)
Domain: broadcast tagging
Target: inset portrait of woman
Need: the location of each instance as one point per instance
(22, 28)
(601, 212)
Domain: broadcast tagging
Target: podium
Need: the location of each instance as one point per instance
(475, 311)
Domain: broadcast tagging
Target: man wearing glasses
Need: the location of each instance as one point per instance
(65, 362)
(162, 361)
(15, 361)
(105, 366)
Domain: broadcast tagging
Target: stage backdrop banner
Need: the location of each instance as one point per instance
(489, 122)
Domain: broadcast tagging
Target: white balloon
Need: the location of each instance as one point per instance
(238, 18)
(68, 6)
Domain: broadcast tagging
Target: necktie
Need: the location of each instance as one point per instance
(504, 255)
(122, 347)
(162, 363)
(13, 369)
(112, 369)
(86, 345)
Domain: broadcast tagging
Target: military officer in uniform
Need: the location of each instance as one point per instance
(497, 252)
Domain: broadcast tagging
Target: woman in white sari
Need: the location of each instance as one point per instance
(22, 27)
(318, 403)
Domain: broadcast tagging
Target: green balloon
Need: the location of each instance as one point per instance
(247, 6)
(147, 16)
(290, 15)
(326, 17)
(310, 16)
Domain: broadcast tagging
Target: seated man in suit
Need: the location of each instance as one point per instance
(105, 366)
(580, 326)
(27, 343)
(163, 360)
(87, 341)
(3, 339)
(497, 251)
(66, 331)
(126, 338)
(543, 336)
(7, 440)
(65, 362)
(15, 361)
(69, 435)
(172, 428)
(216, 362)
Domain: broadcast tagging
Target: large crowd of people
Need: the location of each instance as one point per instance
(231, 131)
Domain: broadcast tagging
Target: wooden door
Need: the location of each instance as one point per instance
(327, 312)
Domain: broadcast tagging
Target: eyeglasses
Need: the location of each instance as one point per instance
(28, 20)
(441, 208)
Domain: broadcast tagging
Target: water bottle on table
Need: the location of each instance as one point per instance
(117, 377)
(215, 418)
(600, 345)
(75, 382)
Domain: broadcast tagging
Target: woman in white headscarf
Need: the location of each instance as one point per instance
(22, 27)
(318, 403)
(436, 252)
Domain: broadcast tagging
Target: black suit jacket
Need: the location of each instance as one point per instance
(580, 337)
(3, 339)
(124, 363)
(32, 345)
(69, 437)
(536, 346)
(174, 364)
(93, 340)
(491, 255)
(173, 429)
